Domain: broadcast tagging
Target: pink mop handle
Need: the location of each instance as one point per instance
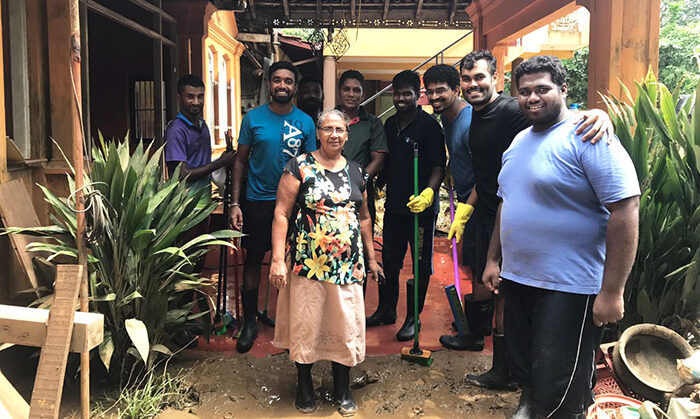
(454, 246)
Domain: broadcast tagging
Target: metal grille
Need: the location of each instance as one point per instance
(144, 110)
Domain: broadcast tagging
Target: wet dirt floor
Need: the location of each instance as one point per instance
(243, 386)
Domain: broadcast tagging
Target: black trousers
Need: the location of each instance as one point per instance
(551, 344)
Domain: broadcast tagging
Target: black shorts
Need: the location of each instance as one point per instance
(398, 234)
(482, 238)
(257, 224)
(551, 344)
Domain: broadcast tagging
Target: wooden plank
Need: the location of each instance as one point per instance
(12, 404)
(27, 326)
(16, 210)
(48, 385)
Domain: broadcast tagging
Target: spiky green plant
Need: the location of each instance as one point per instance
(140, 269)
(662, 135)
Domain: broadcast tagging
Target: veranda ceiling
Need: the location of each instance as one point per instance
(264, 14)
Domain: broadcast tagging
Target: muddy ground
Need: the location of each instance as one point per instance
(235, 386)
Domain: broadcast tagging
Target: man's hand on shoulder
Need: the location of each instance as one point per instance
(595, 124)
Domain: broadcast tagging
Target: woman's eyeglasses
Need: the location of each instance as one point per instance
(331, 130)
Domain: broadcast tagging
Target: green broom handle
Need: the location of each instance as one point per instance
(415, 250)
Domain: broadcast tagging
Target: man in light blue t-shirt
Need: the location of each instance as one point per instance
(567, 233)
(270, 135)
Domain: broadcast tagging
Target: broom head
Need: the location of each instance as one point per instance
(421, 356)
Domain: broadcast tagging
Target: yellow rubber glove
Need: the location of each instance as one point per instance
(419, 203)
(462, 215)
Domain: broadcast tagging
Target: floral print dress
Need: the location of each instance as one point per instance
(326, 242)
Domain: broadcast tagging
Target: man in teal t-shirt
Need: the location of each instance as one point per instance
(270, 135)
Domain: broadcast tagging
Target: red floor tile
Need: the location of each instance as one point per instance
(436, 316)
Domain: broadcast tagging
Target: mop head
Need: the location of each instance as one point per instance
(423, 357)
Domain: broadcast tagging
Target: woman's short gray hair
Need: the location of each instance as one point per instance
(322, 116)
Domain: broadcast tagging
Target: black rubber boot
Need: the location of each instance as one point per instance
(388, 297)
(497, 378)
(479, 318)
(526, 408)
(341, 390)
(250, 321)
(306, 398)
(479, 315)
(407, 330)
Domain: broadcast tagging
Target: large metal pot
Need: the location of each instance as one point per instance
(645, 360)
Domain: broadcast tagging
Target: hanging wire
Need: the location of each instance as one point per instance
(98, 213)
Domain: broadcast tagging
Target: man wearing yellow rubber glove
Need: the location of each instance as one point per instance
(411, 125)
(462, 215)
(418, 204)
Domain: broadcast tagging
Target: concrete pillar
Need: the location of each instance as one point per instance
(624, 43)
(499, 52)
(329, 81)
(513, 89)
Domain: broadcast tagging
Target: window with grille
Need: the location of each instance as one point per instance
(144, 109)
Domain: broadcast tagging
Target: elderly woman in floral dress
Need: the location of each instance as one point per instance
(320, 308)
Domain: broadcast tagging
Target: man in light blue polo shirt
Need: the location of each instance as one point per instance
(270, 135)
(567, 231)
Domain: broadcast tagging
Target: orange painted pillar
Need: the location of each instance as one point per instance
(499, 52)
(624, 43)
(513, 88)
(475, 12)
(329, 81)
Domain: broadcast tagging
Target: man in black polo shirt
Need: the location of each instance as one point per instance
(366, 143)
(409, 126)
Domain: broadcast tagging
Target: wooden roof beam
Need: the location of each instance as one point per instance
(452, 12)
(251, 4)
(285, 6)
(419, 12)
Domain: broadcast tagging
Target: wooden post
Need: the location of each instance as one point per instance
(3, 142)
(79, 166)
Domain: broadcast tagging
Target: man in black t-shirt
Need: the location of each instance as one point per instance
(496, 119)
(411, 125)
